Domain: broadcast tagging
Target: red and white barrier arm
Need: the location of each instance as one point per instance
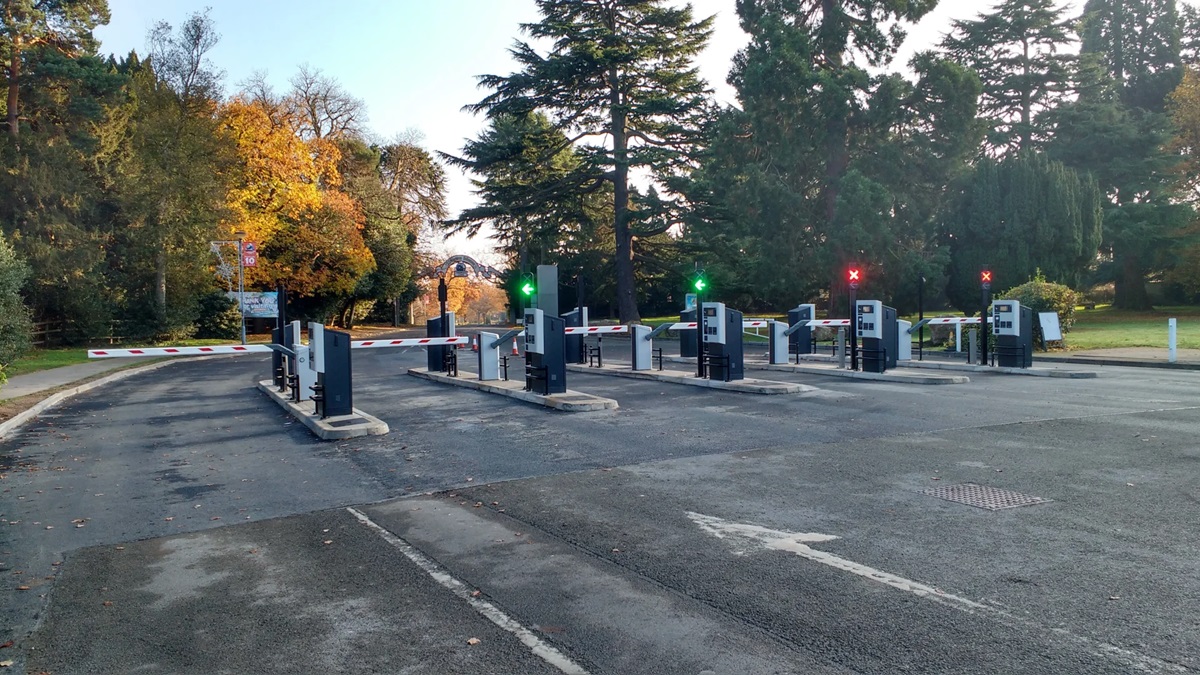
(412, 342)
(595, 330)
(815, 323)
(951, 320)
(176, 351)
(691, 325)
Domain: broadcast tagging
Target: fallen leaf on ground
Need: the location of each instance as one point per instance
(473, 641)
(22, 588)
(328, 542)
(108, 603)
(6, 644)
(6, 664)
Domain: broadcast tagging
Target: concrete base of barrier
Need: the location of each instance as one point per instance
(1030, 372)
(331, 428)
(833, 371)
(747, 386)
(571, 401)
(818, 365)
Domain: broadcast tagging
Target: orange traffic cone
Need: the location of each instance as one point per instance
(474, 343)
(515, 352)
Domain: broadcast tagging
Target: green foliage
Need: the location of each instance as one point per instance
(618, 78)
(400, 189)
(15, 325)
(1043, 296)
(1118, 129)
(824, 163)
(1017, 49)
(218, 317)
(1021, 215)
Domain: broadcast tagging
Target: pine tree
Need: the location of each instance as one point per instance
(823, 163)
(62, 26)
(619, 82)
(1017, 52)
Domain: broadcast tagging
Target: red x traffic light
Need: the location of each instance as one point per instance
(854, 276)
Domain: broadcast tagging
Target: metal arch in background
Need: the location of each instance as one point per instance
(462, 263)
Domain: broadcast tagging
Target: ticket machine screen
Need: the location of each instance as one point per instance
(1006, 318)
(713, 323)
(869, 320)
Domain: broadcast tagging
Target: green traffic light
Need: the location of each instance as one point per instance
(527, 289)
(700, 284)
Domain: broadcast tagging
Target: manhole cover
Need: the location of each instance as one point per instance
(990, 498)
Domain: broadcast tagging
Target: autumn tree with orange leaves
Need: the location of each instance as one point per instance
(286, 196)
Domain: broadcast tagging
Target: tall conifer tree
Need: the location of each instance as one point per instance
(619, 81)
(1018, 52)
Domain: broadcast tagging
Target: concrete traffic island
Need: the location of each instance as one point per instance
(1030, 372)
(747, 386)
(571, 401)
(330, 428)
(819, 367)
(832, 370)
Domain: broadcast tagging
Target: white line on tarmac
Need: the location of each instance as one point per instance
(486, 609)
(745, 537)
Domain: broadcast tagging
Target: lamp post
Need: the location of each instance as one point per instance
(241, 234)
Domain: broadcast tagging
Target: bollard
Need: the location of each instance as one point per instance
(973, 348)
(840, 348)
(1172, 353)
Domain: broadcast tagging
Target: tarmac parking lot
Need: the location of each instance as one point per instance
(178, 521)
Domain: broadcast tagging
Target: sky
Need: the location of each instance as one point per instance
(414, 62)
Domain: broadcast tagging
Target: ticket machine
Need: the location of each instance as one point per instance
(576, 319)
(801, 341)
(721, 334)
(436, 356)
(329, 351)
(545, 353)
(1013, 326)
(875, 324)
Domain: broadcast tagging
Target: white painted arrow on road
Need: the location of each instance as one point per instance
(745, 538)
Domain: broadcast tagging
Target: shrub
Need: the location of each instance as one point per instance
(219, 317)
(1043, 296)
(15, 325)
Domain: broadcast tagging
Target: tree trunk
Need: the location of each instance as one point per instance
(160, 286)
(14, 81)
(627, 309)
(1130, 287)
(837, 129)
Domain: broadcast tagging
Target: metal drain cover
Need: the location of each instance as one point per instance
(984, 497)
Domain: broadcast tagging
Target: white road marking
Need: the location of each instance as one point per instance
(486, 609)
(745, 538)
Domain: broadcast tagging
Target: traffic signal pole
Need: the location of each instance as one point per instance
(985, 284)
(698, 285)
(854, 277)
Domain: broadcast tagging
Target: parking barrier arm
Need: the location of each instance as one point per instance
(505, 338)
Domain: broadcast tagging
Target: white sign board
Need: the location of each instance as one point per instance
(1050, 328)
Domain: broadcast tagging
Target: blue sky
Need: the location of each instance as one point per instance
(413, 62)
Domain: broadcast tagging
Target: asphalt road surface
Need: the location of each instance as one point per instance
(180, 522)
